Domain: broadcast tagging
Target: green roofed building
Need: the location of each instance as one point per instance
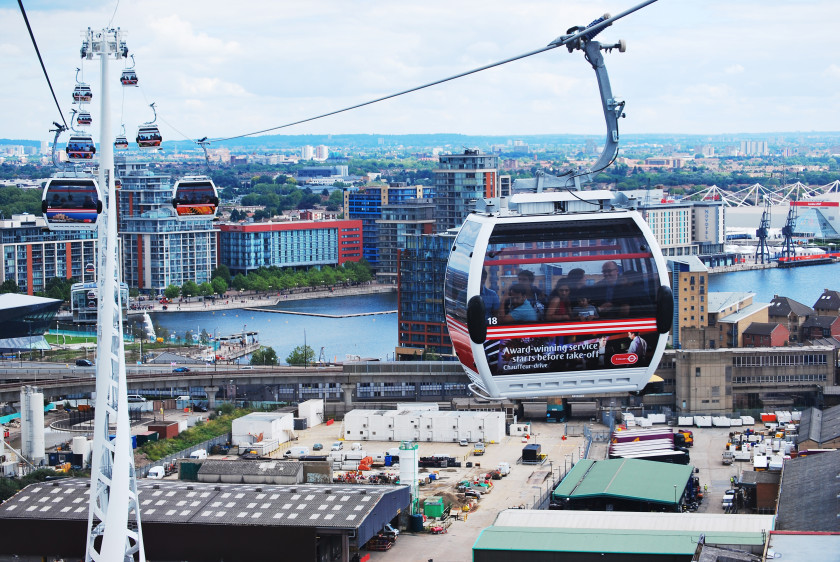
(565, 536)
(624, 485)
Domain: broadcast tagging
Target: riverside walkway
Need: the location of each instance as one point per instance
(318, 314)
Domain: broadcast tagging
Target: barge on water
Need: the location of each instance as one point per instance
(812, 259)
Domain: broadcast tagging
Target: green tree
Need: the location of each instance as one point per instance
(204, 337)
(219, 286)
(264, 356)
(205, 289)
(222, 272)
(189, 288)
(301, 355)
(58, 288)
(9, 286)
(172, 292)
(240, 282)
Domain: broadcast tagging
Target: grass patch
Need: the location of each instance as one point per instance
(156, 450)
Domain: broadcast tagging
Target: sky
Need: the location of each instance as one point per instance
(219, 68)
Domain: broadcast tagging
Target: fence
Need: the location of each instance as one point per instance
(185, 453)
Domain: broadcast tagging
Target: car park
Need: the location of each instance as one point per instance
(181, 370)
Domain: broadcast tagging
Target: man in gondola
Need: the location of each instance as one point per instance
(606, 293)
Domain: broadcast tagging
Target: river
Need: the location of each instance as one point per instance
(365, 336)
(376, 336)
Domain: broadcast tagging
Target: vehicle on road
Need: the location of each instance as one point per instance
(464, 442)
(317, 447)
(84, 363)
(390, 531)
(156, 473)
(337, 446)
(728, 499)
(181, 370)
(478, 449)
(472, 494)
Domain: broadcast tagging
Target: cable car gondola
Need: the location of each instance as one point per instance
(148, 136)
(84, 118)
(195, 197)
(557, 304)
(121, 143)
(82, 93)
(80, 147)
(129, 77)
(71, 203)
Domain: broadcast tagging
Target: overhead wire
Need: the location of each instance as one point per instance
(41, 60)
(586, 33)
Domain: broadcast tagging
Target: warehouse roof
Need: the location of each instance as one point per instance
(323, 506)
(819, 425)
(251, 467)
(808, 494)
(602, 540)
(639, 521)
(627, 478)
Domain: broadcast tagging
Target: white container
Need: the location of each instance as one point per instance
(720, 421)
(182, 425)
(748, 420)
(736, 422)
(656, 418)
(703, 421)
(685, 420)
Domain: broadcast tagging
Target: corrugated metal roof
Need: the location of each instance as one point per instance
(809, 495)
(251, 467)
(311, 505)
(637, 521)
(604, 540)
(626, 478)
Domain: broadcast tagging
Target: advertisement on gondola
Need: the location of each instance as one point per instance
(569, 305)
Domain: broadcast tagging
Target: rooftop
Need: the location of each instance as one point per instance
(626, 478)
(809, 495)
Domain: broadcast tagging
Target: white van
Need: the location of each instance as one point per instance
(504, 468)
(156, 473)
(135, 398)
(199, 454)
(296, 452)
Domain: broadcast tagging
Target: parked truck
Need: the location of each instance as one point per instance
(478, 449)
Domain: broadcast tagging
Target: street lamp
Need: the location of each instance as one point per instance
(675, 497)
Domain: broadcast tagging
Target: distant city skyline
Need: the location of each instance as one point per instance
(216, 70)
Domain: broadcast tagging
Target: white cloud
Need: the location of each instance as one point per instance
(218, 68)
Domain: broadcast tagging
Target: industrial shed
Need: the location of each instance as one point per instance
(581, 536)
(424, 426)
(623, 485)
(250, 472)
(808, 494)
(262, 426)
(819, 429)
(209, 522)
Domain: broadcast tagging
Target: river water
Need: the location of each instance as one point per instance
(376, 336)
(366, 336)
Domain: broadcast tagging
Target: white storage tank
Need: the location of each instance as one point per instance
(81, 446)
(409, 468)
(32, 425)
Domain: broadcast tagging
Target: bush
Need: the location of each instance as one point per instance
(156, 450)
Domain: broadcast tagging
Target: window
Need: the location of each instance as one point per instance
(697, 371)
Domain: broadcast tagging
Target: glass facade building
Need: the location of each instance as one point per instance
(158, 249)
(247, 247)
(366, 204)
(422, 268)
(33, 255)
(399, 220)
(460, 180)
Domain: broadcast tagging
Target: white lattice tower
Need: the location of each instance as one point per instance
(114, 532)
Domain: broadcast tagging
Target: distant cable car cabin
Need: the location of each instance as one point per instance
(121, 143)
(71, 203)
(148, 136)
(129, 77)
(557, 303)
(195, 197)
(82, 93)
(80, 147)
(84, 118)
